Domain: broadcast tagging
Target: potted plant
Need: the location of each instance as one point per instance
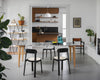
(90, 33)
(21, 21)
(5, 42)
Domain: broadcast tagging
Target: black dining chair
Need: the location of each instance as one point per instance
(33, 59)
(48, 49)
(61, 58)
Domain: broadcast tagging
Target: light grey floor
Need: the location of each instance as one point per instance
(86, 69)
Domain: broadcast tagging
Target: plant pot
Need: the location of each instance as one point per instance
(21, 22)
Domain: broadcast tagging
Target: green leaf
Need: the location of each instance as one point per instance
(5, 42)
(4, 55)
(4, 74)
(3, 25)
(2, 67)
(1, 18)
(0, 75)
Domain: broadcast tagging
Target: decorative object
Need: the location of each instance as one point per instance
(47, 14)
(21, 21)
(90, 33)
(5, 42)
(13, 22)
(76, 22)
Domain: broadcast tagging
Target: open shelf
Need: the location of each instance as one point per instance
(16, 25)
(46, 22)
(19, 39)
(46, 17)
(16, 32)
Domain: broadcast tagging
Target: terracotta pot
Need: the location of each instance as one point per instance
(21, 22)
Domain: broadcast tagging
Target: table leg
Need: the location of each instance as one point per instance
(19, 50)
(70, 53)
(74, 58)
(22, 53)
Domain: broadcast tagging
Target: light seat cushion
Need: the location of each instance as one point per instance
(61, 58)
(32, 59)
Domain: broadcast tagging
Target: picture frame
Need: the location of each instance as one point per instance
(77, 22)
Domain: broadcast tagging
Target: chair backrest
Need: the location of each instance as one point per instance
(31, 51)
(77, 40)
(61, 50)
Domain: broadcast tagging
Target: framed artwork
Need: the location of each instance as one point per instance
(76, 22)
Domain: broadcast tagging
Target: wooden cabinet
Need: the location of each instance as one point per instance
(36, 37)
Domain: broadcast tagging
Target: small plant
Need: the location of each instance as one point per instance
(5, 42)
(21, 17)
(21, 21)
(90, 33)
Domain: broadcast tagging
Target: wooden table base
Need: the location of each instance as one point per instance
(20, 52)
(74, 58)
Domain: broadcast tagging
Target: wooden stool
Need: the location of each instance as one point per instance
(20, 52)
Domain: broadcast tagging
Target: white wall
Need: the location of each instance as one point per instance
(98, 18)
(91, 52)
(0, 3)
(1, 7)
(86, 9)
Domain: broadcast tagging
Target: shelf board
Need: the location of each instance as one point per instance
(12, 52)
(16, 25)
(46, 22)
(46, 17)
(16, 32)
(19, 39)
(48, 33)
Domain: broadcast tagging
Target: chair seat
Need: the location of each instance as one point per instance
(78, 45)
(61, 58)
(32, 59)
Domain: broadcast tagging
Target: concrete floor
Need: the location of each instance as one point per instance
(86, 69)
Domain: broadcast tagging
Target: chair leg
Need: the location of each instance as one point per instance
(50, 55)
(58, 68)
(24, 68)
(61, 65)
(43, 54)
(46, 53)
(54, 53)
(80, 50)
(41, 66)
(69, 67)
(83, 51)
(53, 65)
(32, 65)
(34, 69)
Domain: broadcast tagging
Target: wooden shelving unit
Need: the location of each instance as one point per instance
(16, 33)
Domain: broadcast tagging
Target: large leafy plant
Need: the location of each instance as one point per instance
(5, 42)
(90, 33)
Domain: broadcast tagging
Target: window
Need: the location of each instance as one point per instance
(64, 26)
(64, 29)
